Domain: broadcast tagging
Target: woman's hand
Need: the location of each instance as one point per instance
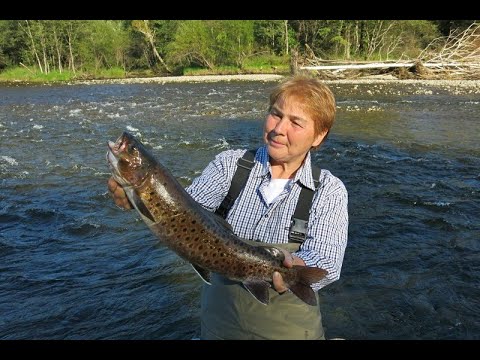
(118, 194)
(289, 261)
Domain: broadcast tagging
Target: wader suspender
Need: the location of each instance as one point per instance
(299, 222)
(244, 166)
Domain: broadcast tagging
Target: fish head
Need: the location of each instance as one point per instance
(130, 162)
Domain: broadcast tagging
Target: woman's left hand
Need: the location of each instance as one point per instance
(288, 262)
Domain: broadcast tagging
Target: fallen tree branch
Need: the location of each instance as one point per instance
(377, 66)
(26, 67)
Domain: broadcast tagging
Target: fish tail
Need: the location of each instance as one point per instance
(306, 276)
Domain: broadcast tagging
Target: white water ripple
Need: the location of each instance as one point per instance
(9, 160)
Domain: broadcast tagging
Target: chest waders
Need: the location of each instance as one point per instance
(229, 311)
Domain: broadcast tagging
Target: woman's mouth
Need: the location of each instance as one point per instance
(275, 143)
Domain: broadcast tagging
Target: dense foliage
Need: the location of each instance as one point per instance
(81, 47)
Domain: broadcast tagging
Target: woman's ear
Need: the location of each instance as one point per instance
(319, 138)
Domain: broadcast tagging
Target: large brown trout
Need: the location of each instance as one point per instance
(202, 238)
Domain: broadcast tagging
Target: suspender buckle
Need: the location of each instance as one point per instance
(298, 230)
(245, 163)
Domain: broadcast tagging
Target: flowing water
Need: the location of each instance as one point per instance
(74, 266)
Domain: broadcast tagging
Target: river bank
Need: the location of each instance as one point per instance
(373, 79)
(452, 86)
(184, 78)
(379, 83)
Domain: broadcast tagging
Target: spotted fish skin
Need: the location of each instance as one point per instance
(200, 237)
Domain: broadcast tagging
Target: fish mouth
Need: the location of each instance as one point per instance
(115, 149)
(119, 145)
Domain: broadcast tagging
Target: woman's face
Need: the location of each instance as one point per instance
(289, 132)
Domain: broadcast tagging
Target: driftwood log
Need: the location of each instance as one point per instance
(454, 57)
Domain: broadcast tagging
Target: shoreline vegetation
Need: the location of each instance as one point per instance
(141, 51)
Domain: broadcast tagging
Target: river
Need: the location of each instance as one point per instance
(74, 266)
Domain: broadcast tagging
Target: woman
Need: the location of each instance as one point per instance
(301, 114)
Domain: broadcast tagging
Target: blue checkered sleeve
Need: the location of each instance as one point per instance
(327, 233)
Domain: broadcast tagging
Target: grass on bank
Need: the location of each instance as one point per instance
(261, 64)
(34, 75)
(266, 64)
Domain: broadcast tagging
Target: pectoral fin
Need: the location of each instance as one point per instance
(203, 273)
(259, 290)
(142, 209)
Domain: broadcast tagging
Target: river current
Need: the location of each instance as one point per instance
(74, 266)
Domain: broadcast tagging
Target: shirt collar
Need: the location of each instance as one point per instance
(262, 158)
(303, 175)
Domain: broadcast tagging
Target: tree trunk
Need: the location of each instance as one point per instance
(286, 37)
(57, 48)
(34, 49)
(143, 27)
(46, 66)
(363, 38)
(71, 60)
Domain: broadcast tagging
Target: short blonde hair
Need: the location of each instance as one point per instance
(317, 98)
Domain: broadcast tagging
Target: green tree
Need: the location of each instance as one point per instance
(12, 43)
(362, 39)
(447, 26)
(192, 45)
(233, 40)
(164, 45)
(415, 35)
(157, 35)
(268, 36)
(103, 44)
(74, 31)
(209, 43)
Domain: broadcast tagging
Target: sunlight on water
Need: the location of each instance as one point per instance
(74, 266)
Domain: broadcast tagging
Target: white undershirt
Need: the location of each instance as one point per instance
(274, 188)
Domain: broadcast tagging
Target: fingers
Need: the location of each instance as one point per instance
(122, 203)
(118, 194)
(278, 283)
(289, 260)
(112, 184)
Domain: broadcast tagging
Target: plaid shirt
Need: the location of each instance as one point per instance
(252, 218)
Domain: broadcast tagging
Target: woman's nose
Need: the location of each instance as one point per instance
(280, 126)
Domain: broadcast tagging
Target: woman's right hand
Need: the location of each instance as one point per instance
(118, 194)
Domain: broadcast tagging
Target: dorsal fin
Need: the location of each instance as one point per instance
(222, 222)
